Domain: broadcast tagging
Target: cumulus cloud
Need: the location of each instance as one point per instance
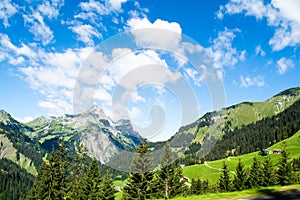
(164, 34)
(283, 15)
(252, 81)
(52, 75)
(7, 10)
(86, 33)
(284, 64)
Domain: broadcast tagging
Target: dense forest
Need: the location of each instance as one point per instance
(14, 181)
(259, 135)
(249, 138)
(22, 143)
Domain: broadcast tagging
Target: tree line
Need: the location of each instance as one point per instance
(260, 174)
(59, 178)
(81, 179)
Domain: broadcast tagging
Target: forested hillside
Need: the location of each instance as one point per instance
(259, 135)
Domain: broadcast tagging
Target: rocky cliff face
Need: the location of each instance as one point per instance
(102, 137)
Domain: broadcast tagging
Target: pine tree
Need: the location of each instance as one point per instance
(240, 177)
(225, 180)
(268, 171)
(107, 187)
(254, 178)
(63, 169)
(166, 173)
(40, 189)
(91, 182)
(285, 170)
(52, 177)
(196, 186)
(139, 185)
(177, 187)
(78, 169)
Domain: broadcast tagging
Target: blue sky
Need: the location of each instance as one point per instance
(252, 45)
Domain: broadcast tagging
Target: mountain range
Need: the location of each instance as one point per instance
(26, 144)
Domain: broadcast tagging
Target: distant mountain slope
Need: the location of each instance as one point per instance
(16, 146)
(102, 137)
(258, 135)
(211, 126)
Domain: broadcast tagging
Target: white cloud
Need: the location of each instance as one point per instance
(16, 61)
(93, 11)
(23, 50)
(195, 76)
(252, 81)
(259, 51)
(167, 34)
(15, 55)
(25, 119)
(7, 10)
(134, 112)
(135, 97)
(53, 75)
(116, 4)
(281, 14)
(103, 96)
(284, 64)
(223, 53)
(35, 23)
(86, 33)
(50, 8)
(131, 71)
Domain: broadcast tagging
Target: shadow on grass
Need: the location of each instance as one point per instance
(269, 193)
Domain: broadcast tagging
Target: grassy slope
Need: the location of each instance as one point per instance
(8, 151)
(269, 191)
(247, 113)
(212, 175)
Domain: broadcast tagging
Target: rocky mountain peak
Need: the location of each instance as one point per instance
(97, 112)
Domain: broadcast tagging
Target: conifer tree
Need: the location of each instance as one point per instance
(285, 170)
(166, 173)
(225, 180)
(39, 189)
(139, 185)
(91, 182)
(107, 187)
(268, 171)
(240, 177)
(52, 178)
(254, 178)
(78, 169)
(177, 186)
(196, 186)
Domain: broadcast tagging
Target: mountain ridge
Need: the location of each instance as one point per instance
(105, 138)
